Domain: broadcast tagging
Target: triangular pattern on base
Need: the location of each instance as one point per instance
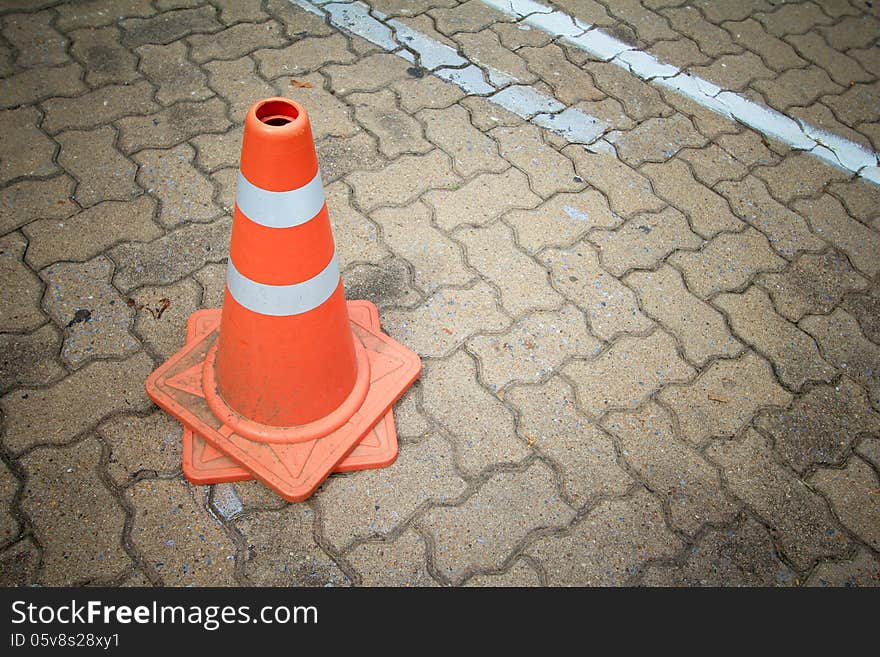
(205, 464)
(293, 473)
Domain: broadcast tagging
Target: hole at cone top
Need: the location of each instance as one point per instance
(277, 113)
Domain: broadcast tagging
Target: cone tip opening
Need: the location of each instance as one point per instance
(277, 112)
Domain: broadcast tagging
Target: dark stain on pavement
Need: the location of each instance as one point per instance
(81, 315)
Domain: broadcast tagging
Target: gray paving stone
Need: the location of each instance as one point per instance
(708, 212)
(656, 140)
(471, 151)
(533, 347)
(401, 181)
(173, 125)
(482, 428)
(787, 231)
(804, 530)
(96, 107)
(101, 171)
(172, 256)
(357, 238)
(740, 556)
(9, 525)
(297, 22)
(30, 359)
(162, 311)
(549, 172)
(628, 373)
(235, 41)
(611, 307)
(141, 445)
(393, 563)
(176, 536)
(673, 470)
(724, 398)
(584, 454)
(94, 316)
(37, 43)
(437, 261)
(561, 220)
(168, 68)
(482, 199)
(20, 563)
(813, 284)
(339, 156)
(183, 192)
(396, 130)
(861, 570)
(829, 220)
(519, 574)
(726, 262)
(643, 241)
(64, 498)
(853, 494)
(375, 503)
(169, 26)
(483, 531)
(87, 233)
(283, 552)
(104, 57)
(523, 284)
(303, 56)
(821, 426)
(238, 83)
(444, 320)
(844, 345)
(628, 191)
(27, 200)
(793, 354)
(869, 449)
(94, 13)
(609, 545)
(59, 413)
(24, 149)
(388, 285)
(699, 328)
(21, 289)
(36, 84)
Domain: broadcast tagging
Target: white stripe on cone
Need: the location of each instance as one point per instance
(283, 300)
(280, 209)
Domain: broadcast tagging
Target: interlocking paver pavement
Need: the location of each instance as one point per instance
(652, 359)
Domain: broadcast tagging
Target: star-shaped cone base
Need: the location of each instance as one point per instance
(293, 470)
(205, 464)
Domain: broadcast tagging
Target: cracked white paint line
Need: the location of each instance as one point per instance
(529, 101)
(472, 77)
(797, 134)
(433, 54)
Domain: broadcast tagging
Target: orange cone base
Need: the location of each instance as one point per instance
(204, 464)
(293, 470)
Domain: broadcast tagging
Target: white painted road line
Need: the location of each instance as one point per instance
(797, 134)
(474, 78)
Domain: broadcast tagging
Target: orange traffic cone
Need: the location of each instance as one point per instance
(204, 464)
(288, 383)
